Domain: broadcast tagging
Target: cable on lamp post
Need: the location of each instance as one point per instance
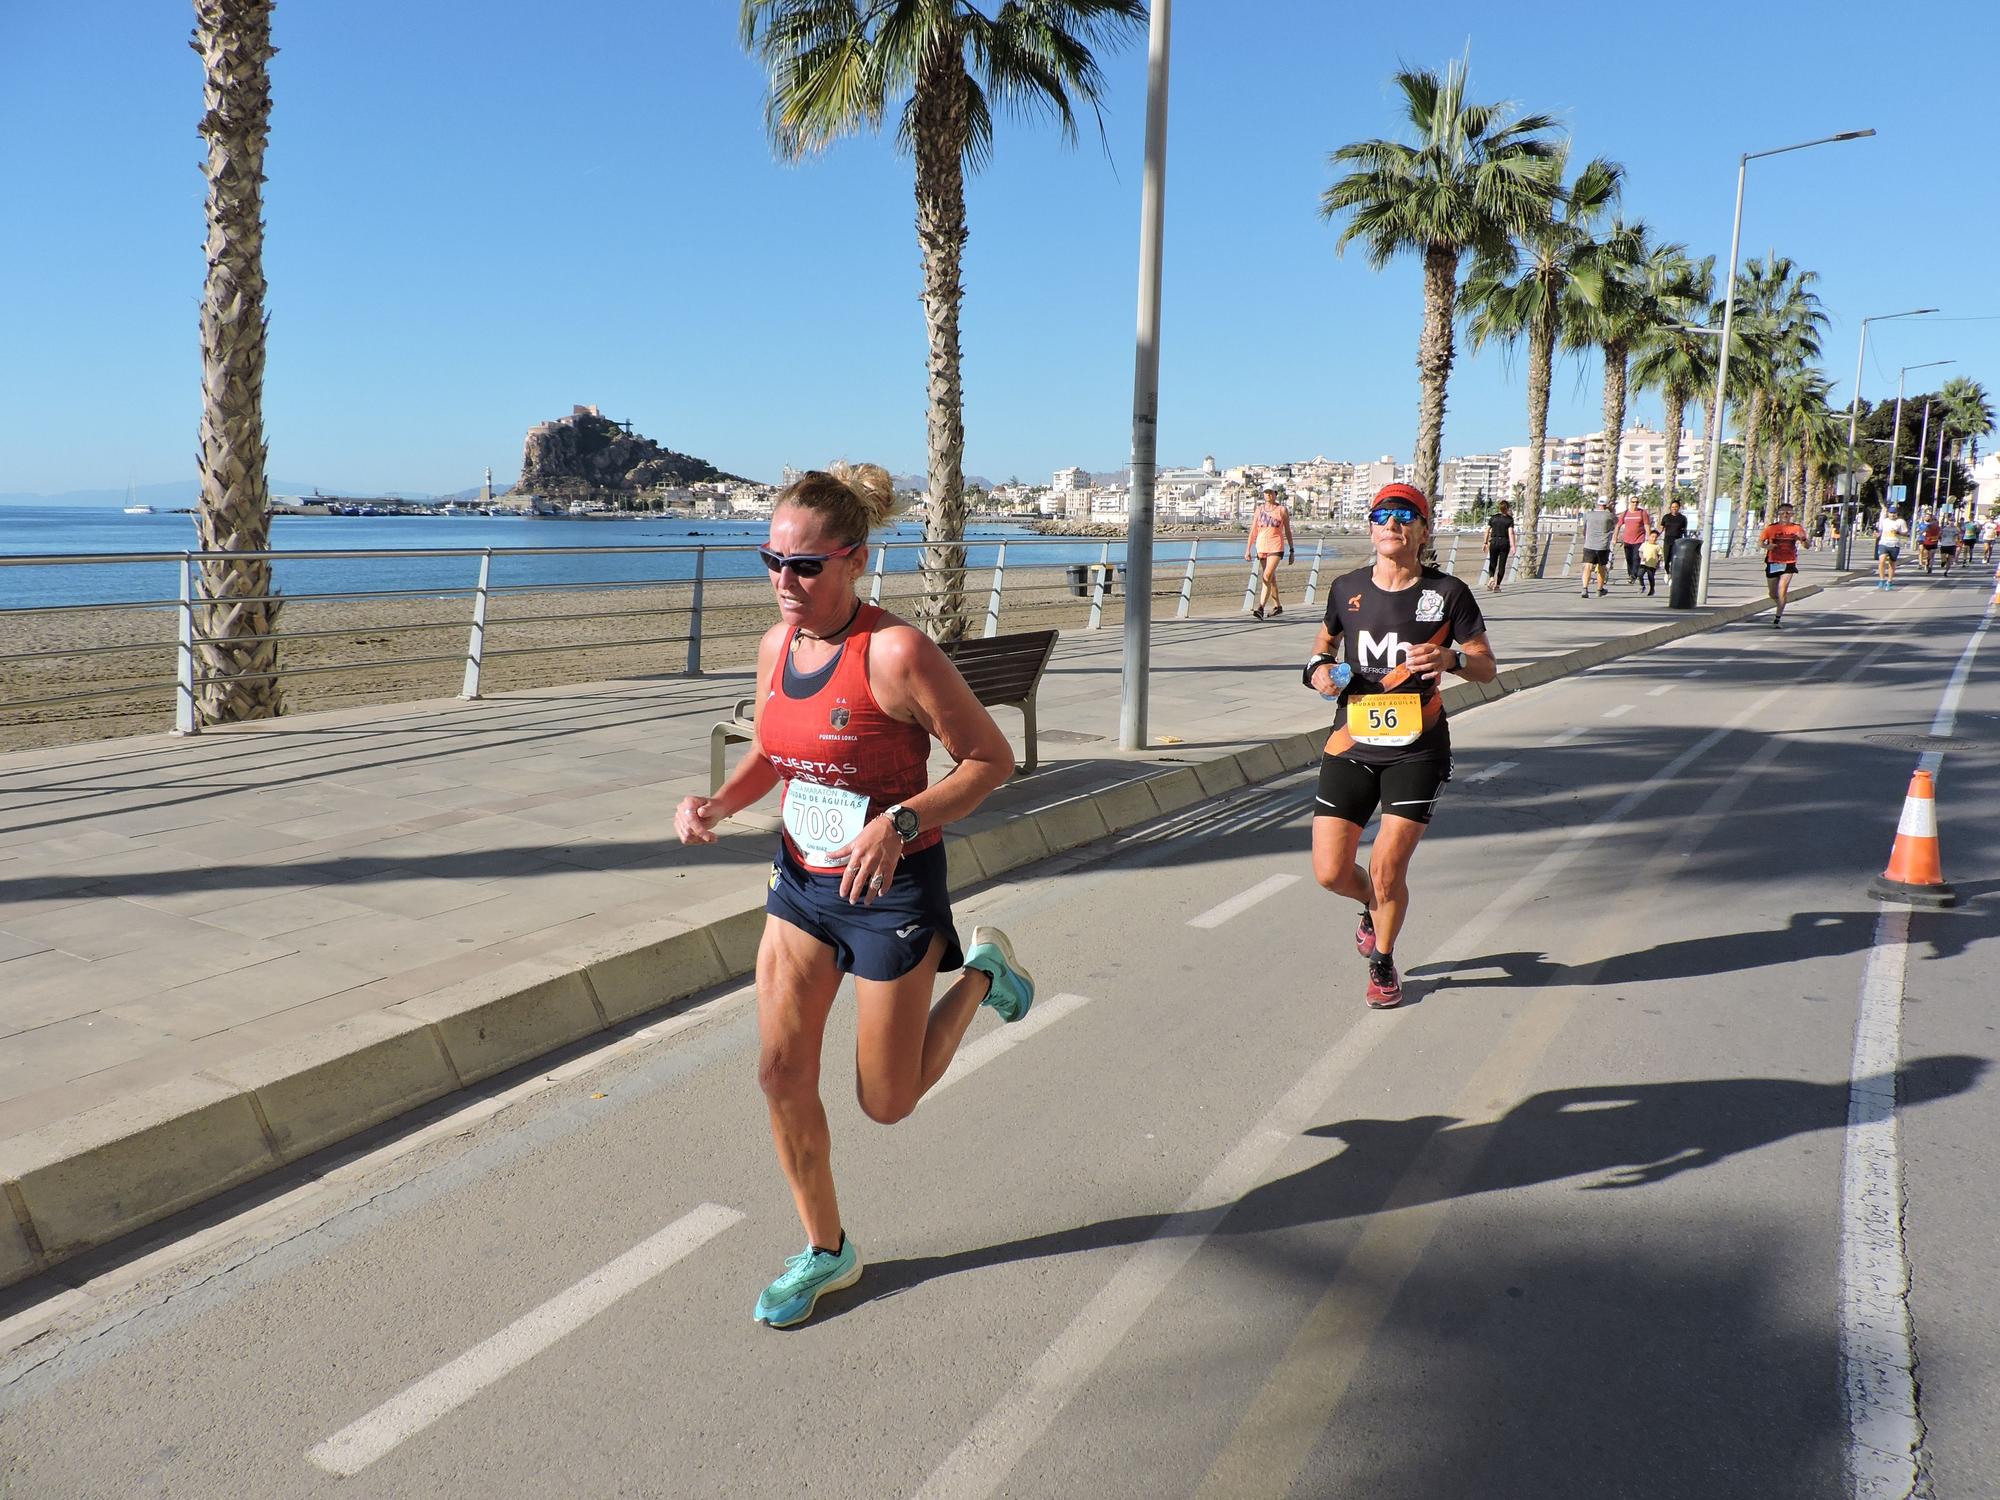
(1706, 520)
(1896, 432)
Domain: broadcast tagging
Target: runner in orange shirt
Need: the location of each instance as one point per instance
(1780, 541)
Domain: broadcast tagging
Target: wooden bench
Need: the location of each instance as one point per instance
(1003, 671)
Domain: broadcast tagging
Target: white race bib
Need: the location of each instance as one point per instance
(821, 819)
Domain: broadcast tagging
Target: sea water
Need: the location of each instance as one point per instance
(56, 530)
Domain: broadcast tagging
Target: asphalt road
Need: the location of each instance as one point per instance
(1573, 1222)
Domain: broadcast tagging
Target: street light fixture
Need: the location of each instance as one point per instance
(1896, 431)
(1706, 521)
(1843, 554)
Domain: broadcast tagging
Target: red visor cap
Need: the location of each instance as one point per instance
(1409, 494)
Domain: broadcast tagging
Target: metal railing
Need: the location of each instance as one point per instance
(1097, 582)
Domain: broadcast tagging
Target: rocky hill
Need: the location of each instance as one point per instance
(587, 456)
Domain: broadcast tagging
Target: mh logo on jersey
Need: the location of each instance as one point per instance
(1381, 650)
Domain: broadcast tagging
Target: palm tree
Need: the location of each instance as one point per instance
(1965, 413)
(1803, 438)
(837, 66)
(1629, 276)
(1527, 291)
(1781, 318)
(1674, 358)
(237, 653)
(1473, 181)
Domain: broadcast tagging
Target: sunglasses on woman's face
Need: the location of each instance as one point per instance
(805, 564)
(1401, 514)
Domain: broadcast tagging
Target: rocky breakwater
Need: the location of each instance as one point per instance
(589, 457)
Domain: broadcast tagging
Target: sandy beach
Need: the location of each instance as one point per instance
(365, 653)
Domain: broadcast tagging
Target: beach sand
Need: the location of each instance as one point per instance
(373, 641)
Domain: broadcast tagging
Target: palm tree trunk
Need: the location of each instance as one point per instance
(234, 40)
(1541, 363)
(1615, 354)
(1676, 413)
(1434, 354)
(942, 128)
(1751, 423)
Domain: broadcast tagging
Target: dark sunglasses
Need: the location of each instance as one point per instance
(805, 564)
(1382, 515)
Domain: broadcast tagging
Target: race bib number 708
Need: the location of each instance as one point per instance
(821, 819)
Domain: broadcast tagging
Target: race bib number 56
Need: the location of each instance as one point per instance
(1387, 719)
(821, 819)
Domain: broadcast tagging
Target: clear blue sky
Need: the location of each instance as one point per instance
(483, 211)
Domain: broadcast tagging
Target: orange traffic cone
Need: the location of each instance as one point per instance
(1916, 873)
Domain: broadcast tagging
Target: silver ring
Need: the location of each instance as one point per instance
(878, 882)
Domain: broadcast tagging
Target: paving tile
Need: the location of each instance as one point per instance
(404, 892)
(273, 916)
(103, 929)
(201, 955)
(223, 840)
(71, 1049)
(190, 1012)
(14, 945)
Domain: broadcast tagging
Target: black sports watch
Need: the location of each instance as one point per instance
(904, 821)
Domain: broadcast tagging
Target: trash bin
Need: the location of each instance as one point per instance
(1079, 580)
(1686, 573)
(1083, 578)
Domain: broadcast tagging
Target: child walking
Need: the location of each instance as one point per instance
(1649, 562)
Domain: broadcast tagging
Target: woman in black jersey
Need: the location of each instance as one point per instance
(1499, 544)
(1400, 626)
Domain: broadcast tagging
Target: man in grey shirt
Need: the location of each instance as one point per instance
(1597, 545)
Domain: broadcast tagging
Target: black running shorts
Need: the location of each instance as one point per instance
(884, 940)
(1409, 788)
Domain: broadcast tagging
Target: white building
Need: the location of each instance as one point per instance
(1469, 479)
(1067, 480)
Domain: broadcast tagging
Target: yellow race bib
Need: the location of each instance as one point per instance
(1386, 719)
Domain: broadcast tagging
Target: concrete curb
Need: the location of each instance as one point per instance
(84, 1181)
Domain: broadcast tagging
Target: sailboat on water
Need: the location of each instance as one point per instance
(132, 505)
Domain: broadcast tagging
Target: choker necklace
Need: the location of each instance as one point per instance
(842, 631)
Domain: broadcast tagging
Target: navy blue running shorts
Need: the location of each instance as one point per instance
(884, 940)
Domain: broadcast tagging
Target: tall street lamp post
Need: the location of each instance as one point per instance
(1844, 553)
(1896, 432)
(1145, 394)
(1706, 521)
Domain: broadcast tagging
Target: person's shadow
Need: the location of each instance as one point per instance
(1616, 1136)
(1807, 935)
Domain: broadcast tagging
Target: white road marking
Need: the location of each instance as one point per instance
(1665, 687)
(975, 1055)
(1875, 1355)
(1619, 712)
(1696, 672)
(1215, 916)
(981, 1462)
(1574, 732)
(360, 1443)
(1498, 768)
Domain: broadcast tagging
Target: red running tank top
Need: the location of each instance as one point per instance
(840, 736)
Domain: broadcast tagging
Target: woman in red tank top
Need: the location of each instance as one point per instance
(852, 698)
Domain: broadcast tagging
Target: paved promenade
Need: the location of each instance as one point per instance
(177, 907)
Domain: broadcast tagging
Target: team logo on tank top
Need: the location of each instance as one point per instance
(838, 718)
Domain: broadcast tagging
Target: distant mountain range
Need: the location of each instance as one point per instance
(182, 494)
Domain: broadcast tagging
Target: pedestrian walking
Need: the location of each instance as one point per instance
(1597, 527)
(1270, 543)
(1633, 525)
(1401, 625)
(852, 698)
(1499, 544)
(1673, 527)
(1650, 554)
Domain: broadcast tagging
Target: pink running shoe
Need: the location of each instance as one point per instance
(1364, 935)
(1385, 988)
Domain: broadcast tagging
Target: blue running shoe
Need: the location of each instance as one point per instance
(809, 1275)
(1013, 988)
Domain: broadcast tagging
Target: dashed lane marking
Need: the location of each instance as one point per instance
(1498, 768)
(1236, 905)
(1563, 737)
(977, 1054)
(442, 1392)
(1619, 712)
(1665, 687)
